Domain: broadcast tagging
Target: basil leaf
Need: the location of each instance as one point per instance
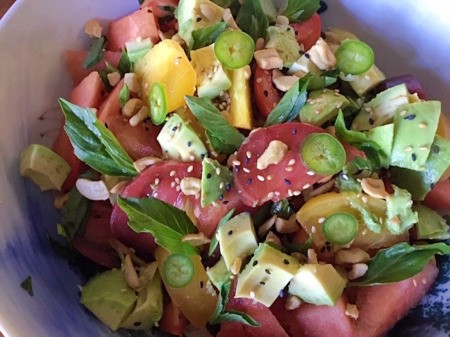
(27, 285)
(104, 76)
(124, 95)
(95, 53)
(399, 262)
(207, 35)
(165, 222)
(214, 242)
(224, 138)
(289, 106)
(236, 316)
(301, 10)
(94, 143)
(124, 63)
(252, 19)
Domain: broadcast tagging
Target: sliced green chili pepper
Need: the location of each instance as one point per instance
(340, 228)
(234, 49)
(158, 103)
(178, 270)
(354, 57)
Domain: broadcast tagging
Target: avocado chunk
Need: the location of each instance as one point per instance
(44, 167)
(211, 77)
(109, 298)
(282, 39)
(219, 274)
(241, 113)
(270, 9)
(380, 110)
(399, 214)
(179, 141)
(322, 106)
(414, 128)
(149, 306)
(419, 183)
(267, 273)
(430, 226)
(319, 284)
(361, 84)
(383, 136)
(216, 180)
(237, 238)
(196, 14)
(303, 65)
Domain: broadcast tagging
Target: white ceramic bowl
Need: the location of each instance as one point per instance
(408, 36)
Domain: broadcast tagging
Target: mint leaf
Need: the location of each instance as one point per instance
(289, 106)
(124, 95)
(27, 285)
(399, 262)
(165, 222)
(95, 53)
(94, 143)
(252, 19)
(300, 10)
(224, 138)
(207, 35)
(124, 63)
(235, 316)
(214, 242)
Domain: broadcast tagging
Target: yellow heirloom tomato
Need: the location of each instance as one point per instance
(166, 63)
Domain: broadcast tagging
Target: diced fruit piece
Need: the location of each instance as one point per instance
(381, 109)
(322, 106)
(315, 210)
(265, 92)
(179, 141)
(44, 167)
(139, 24)
(96, 252)
(237, 238)
(310, 320)
(304, 65)
(173, 321)
(318, 284)
(195, 14)
(219, 273)
(211, 77)
(430, 224)
(197, 300)
(216, 179)
(74, 60)
(439, 198)
(149, 306)
(89, 93)
(411, 82)
(308, 32)
(443, 129)
(380, 307)
(282, 39)
(383, 136)
(414, 129)
(368, 80)
(241, 113)
(138, 141)
(419, 183)
(108, 297)
(158, 66)
(267, 273)
(111, 105)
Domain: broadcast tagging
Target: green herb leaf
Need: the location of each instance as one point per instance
(289, 106)
(346, 180)
(300, 10)
(214, 242)
(399, 262)
(224, 138)
(165, 222)
(104, 76)
(95, 53)
(207, 35)
(252, 19)
(235, 316)
(124, 95)
(94, 143)
(124, 63)
(27, 285)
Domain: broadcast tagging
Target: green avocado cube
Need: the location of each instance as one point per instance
(319, 284)
(282, 39)
(430, 226)
(216, 180)
(267, 273)
(414, 128)
(322, 106)
(383, 136)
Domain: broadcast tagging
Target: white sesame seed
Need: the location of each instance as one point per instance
(424, 281)
(321, 220)
(252, 294)
(402, 113)
(260, 178)
(368, 109)
(246, 170)
(249, 154)
(218, 170)
(422, 125)
(313, 229)
(291, 162)
(364, 199)
(270, 195)
(310, 173)
(415, 283)
(367, 78)
(288, 168)
(157, 181)
(290, 193)
(190, 168)
(424, 148)
(259, 80)
(221, 185)
(177, 180)
(178, 188)
(276, 193)
(408, 149)
(306, 186)
(172, 173)
(172, 184)
(269, 177)
(297, 193)
(236, 163)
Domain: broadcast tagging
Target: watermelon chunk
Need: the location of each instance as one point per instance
(381, 307)
(311, 320)
(139, 24)
(111, 105)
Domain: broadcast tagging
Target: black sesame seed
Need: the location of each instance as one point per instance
(322, 250)
(246, 160)
(199, 19)
(230, 232)
(137, 323)
(294, 131)
(410, 117)
(225, 202)
(201, 284)
(106, 125)
(371, 121)
(228, 186)
(221, 197)
(149, 10)
(432, 185)
(436, 149)
(266, 93)
(323, 7)
(267, 271)
(255, 263)
(236, 168)
(208, 176)
(286, 261)
(414, 157)
(174, 128)
(203, 156)
(189, 143)
(147, 129)
(287, 182)
(307, 55)
(262, 283)
(249, 181)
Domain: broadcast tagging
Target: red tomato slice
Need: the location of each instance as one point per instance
(265, 92)
(138, 141)
(100, 254)
(110, 107)
(439, 197)
(308, 32)
(173, 321)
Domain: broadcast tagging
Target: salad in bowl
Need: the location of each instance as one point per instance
(229, 169)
